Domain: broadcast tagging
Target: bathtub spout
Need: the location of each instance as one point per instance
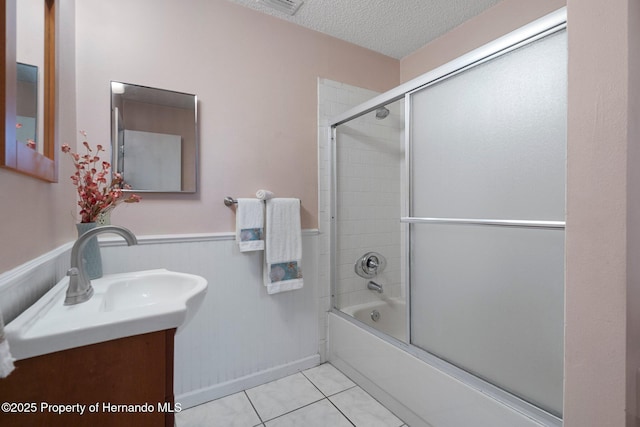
(374, 286)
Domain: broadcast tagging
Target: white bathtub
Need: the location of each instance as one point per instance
(391, 318)
(418, 392)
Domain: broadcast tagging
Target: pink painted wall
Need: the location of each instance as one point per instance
(36, 216)
(504, 17)
(602, 246)
(256, 81)
(633, 214)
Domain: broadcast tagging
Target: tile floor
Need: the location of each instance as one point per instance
(321, 396)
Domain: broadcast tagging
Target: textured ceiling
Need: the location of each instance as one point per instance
(394, 28)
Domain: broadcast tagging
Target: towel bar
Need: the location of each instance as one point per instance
(230, 201)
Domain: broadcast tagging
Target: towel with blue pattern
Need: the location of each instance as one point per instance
(283, 246)
(250, 225)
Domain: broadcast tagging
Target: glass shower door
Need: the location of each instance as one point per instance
(488, 154)
(368, 172)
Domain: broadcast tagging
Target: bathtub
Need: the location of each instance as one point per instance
(388, 315)
(420, 392)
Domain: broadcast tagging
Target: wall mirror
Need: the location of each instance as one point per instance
(27, 105)
(154, 138)
(27, 87)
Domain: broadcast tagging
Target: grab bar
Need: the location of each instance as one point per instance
(550, 225)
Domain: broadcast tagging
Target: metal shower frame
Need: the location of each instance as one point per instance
(547, 25)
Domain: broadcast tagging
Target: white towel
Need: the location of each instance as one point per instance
(6, 360)
(264, 194)
(250, 225)
(283, 247)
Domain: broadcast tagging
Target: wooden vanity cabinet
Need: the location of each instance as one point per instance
(135, 370)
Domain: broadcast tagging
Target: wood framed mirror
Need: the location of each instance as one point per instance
(39, 159)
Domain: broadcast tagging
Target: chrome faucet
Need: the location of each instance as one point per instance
(80, 289)
(374, 286)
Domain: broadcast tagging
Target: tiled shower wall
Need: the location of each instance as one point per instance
(370, 156)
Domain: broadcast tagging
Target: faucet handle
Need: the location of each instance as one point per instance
(73, 271)
(370, 264)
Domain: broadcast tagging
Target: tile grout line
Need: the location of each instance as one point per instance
(293, 410)
(329, 395)
(342, 391)
(375, 400)
(253, 406)
(324, 397)
(313, 384)
(380, 403)
(343, 414)
(329, 400)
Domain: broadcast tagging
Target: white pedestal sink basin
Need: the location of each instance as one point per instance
(122, 305)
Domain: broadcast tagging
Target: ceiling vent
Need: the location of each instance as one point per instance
(289, 7)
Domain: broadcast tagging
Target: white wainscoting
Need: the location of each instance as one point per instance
(241, 336)
(22, 286)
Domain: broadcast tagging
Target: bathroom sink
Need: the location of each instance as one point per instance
(138, 290)
(122, 305)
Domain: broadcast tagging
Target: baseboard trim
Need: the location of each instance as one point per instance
(203, 395)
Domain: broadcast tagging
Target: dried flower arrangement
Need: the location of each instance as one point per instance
(96, 194)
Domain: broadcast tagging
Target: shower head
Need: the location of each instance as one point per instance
(382, 113)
